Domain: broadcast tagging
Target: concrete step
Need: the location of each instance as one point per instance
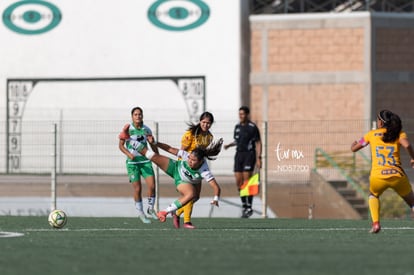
(338, 183)
(350, 195)
(362, 209)
(346, 192)
(355, 201)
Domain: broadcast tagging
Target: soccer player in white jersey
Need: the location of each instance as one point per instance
(138, 165)
(187, 172)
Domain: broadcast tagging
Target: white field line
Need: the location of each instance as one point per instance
(210, 229)
(10, 234)
(6, 234)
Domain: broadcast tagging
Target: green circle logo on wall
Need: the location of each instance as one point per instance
(178, 15)
(31, 17)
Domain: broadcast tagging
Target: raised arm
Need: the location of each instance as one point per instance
(356, 146)
(167, 148)
(163, 146)
(231, 144)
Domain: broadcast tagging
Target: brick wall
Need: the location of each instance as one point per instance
(315, 102)
(393, 95)
(320, 79)
(394, 49)
(394, 68)
(310, 68)
(315, 50)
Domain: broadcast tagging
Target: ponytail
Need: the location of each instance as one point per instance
(392, 124)
(210, 152)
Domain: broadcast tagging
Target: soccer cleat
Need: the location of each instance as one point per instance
(249, 212)
(162, 215)
(189, 225)
(143, 218)
(176, 220)
(376, 227)
(151, 213)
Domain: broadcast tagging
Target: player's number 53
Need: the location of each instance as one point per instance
(385, 155)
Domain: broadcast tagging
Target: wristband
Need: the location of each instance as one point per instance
(216, 198)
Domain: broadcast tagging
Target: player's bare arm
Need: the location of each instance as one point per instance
(125, 150)
(217, 191)
(406, 144)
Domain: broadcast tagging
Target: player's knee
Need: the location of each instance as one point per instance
(372, 196)
(137, 187)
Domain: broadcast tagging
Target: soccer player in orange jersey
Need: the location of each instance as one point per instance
(386, 169)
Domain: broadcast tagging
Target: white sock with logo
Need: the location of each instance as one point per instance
(139, 207)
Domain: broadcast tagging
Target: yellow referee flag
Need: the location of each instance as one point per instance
(251, 186)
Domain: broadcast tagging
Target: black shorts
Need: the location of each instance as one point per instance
(244, 161)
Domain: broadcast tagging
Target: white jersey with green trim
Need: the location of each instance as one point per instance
(133, 136)
(186, 174)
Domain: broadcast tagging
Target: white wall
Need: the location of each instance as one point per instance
(116, 39)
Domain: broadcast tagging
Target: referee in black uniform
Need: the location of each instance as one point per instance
(248, 154)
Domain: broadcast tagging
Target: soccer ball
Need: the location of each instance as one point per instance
(57, 218)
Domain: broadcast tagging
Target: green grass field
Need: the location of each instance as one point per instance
(217, 246)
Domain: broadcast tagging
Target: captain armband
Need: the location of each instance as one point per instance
(363, 142)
